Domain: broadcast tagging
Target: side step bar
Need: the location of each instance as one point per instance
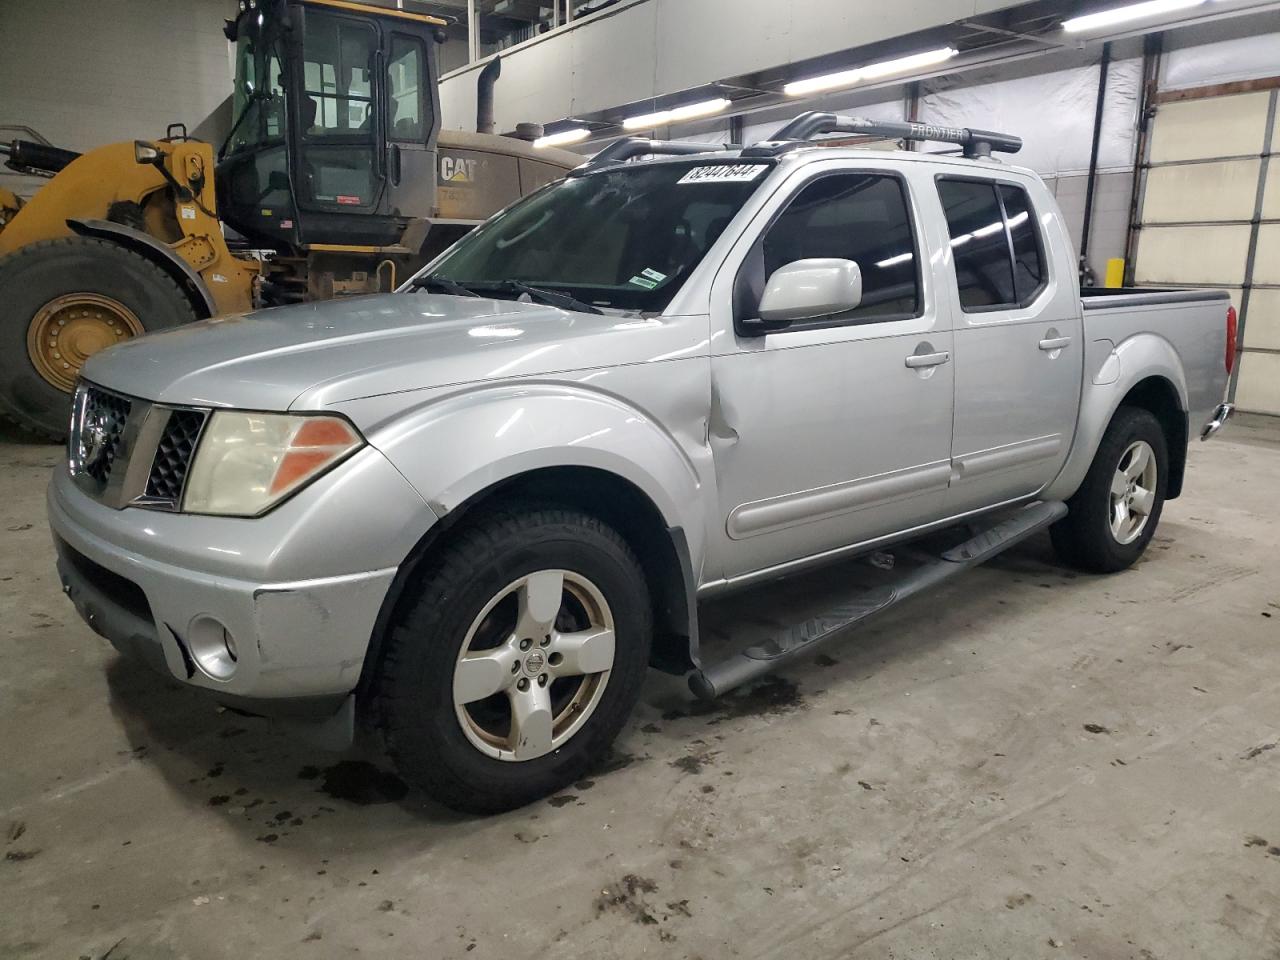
(803, 638)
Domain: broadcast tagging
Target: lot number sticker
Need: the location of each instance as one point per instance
(724, 173)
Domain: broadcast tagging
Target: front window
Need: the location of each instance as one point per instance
(257, 98)
(625, 238)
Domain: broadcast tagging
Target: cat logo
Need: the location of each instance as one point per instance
(458, 169)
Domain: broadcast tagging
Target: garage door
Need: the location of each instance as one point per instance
(1210, 215)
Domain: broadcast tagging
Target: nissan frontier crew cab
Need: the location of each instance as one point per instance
(472, 512)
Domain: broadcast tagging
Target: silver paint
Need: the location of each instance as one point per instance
(768, 452)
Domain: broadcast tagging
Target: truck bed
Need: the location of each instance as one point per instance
(1193, 322)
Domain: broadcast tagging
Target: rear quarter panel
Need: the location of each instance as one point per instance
(1178, 337)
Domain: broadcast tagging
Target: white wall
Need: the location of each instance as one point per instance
(89, 72)
(656, 47)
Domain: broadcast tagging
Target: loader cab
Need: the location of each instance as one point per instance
(335, 114)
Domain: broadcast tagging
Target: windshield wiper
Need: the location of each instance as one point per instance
(551, 297)
(254, 97)
(451, 287)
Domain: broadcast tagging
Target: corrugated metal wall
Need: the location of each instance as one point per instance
(1210, 198)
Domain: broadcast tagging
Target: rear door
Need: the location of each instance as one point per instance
(1018, 344)
(836, 430)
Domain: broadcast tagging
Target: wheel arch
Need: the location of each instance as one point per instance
(150, 248)
(663, 552)
(1158, 396)
(1149, 375)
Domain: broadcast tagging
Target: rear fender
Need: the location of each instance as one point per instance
(1134, 360)
(158, 253)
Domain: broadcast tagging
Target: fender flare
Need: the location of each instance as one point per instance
(567, 425)
(157, 252)
(1141, 357)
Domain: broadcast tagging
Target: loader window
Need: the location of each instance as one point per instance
(406, 84)
(336, 111)
(336, 74)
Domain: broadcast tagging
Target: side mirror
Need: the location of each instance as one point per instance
(807, 289)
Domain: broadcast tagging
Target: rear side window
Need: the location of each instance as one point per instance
(861, 217)
(995, 245)
(406, 85)
(1028, 262)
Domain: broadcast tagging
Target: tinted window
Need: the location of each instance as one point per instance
(859, 217)
(1028, 261)
(406, 85)
(979, 244)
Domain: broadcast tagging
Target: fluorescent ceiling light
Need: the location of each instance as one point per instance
(564, 136)
(704, 108)
(872, 71)
(1117, 15)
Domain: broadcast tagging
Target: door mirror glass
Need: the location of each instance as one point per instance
(808, 289)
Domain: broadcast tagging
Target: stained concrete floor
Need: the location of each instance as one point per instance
(1028, 763)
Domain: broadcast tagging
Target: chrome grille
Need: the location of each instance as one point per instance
(97, 432)
(173, 455)
(124, 452)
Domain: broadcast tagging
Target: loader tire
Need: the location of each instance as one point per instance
(63, 300)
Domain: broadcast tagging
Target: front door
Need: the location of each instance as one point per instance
(1019, 350)
(338, 175)
(835, 430)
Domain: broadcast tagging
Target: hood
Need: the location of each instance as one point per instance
(314, 355)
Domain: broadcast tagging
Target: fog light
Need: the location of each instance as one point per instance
(213, 648)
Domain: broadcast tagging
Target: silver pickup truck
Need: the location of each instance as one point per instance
(474, 511)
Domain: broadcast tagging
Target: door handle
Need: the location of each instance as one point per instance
(917, 360)
(1054, 343)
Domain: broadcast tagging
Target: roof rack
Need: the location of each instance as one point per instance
(800, 131)
(630, 147)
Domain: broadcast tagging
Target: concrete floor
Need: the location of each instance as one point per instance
(1029, 763)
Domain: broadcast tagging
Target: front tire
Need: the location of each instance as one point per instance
(60, 302)
(1114, 514)
(519, 659)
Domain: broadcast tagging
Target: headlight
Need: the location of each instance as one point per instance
(246, 463)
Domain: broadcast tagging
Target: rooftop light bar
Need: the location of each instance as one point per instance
(704, 108)
(872, 71)
(1132, 11)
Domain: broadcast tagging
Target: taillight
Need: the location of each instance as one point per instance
(1231, 338)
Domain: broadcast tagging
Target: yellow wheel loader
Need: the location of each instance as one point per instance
(335, 178)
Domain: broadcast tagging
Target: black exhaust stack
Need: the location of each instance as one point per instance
(484, 95)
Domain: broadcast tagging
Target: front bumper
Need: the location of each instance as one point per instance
(1221, 415)
(299, 590)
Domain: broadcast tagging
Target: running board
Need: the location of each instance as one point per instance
(803, 638)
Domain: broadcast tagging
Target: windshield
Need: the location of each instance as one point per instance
(257, 99)
(624, 238)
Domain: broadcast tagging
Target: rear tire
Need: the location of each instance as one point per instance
(1114, 514)
(462, 745)
(138, 295)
